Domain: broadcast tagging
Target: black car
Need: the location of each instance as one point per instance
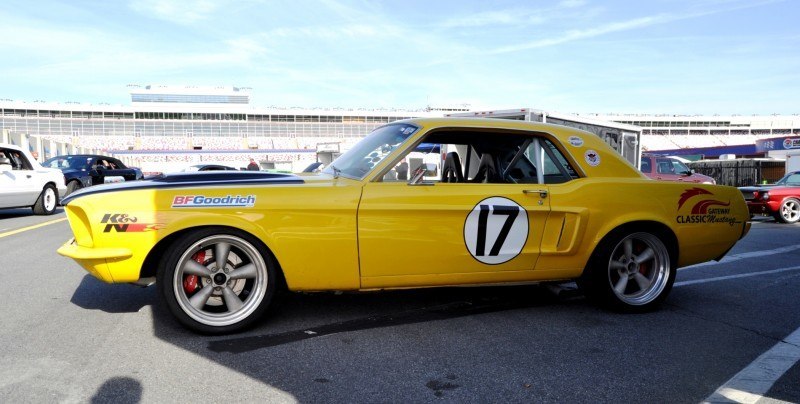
(83, 170)
(208, 167)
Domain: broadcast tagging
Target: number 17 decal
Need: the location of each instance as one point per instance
(496, 230)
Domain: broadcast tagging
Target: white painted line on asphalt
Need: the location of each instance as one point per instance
(36, 226)
(747, 275)
(749, 385)
(741, 256)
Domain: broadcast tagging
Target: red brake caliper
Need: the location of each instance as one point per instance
(190, 281)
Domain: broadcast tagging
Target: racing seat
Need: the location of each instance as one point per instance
(487, 171)
(451, 170)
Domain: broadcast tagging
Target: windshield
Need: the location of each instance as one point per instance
(790, 179)
(370, 151)
(680, 168)
(74, 162)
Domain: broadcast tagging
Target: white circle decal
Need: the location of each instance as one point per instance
(496, 230)
(575, 141)
(592, 158)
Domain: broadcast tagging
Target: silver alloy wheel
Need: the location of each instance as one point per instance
(790, 210)
(233, 280)
(638, 270)
(49, 202)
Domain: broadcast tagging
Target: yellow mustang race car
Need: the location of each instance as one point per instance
(417, 203)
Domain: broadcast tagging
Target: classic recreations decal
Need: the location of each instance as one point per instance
(496, 230)
(576, 141)
(704, 210)
(592, 158)
(201, 201)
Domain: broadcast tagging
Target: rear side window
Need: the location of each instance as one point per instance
(646, 167)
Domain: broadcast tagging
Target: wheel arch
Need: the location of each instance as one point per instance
(150, 265)
(664, 232)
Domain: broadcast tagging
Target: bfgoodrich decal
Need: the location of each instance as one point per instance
(202, 201)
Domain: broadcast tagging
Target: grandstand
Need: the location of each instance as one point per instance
(166, 123)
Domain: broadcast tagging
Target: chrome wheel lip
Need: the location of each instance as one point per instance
(49, 199)
(249, 305)
(657, 274)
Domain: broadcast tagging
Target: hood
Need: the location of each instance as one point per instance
(194, 179)
(757, 187)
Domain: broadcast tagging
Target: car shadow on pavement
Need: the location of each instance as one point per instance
(309, 344)
(93, 294)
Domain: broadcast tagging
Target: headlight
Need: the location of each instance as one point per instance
(765, 196)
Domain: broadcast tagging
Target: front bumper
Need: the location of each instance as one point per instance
(94, 260)
(761, 208)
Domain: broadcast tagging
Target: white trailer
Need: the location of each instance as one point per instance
(793, 161)
(625, 139)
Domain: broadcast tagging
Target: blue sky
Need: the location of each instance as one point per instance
(656, 56)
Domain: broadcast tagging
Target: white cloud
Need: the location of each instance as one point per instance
(572, 3)
(176, 11)
(574, 35)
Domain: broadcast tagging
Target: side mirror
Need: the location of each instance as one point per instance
(423, 170)
(5, 164)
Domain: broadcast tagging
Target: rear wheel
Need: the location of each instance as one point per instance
(789, 211)
(631, 271)
(47, 201)
(217, 280)
(73, 186)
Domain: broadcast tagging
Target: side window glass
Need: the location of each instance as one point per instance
(18, 160)
(664, 166)
(480, 157)
(793, 179)
(646, 165)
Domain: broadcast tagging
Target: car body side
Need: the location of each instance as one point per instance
(335, 233)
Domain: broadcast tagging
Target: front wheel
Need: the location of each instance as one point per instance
(47, 201)
(789, 211)
(631, 271)
(217, 281)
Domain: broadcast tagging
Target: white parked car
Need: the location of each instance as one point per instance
(25, 183)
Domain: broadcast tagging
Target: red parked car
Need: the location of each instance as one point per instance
(781, 199)
(670, 169)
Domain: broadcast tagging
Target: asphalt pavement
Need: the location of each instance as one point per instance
(67, 337)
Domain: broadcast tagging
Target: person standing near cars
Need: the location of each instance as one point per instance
(253, 166)
(402, 170)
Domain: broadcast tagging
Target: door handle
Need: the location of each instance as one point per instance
(542, 192)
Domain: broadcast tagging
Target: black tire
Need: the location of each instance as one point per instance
(73, 186)
(247, 281)
(789, 212)
(643, 257)
(47, 202)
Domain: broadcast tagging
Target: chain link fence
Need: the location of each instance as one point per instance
(741, 172)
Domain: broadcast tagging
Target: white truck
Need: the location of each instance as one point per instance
(25, 183)
(793, 161)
